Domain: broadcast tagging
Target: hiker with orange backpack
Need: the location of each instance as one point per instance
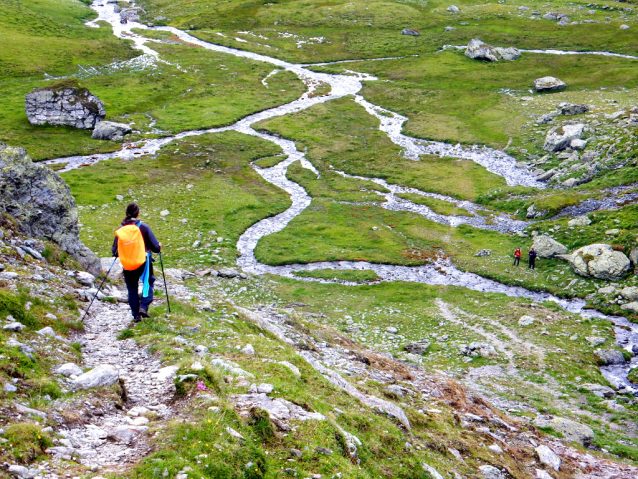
(134, 242)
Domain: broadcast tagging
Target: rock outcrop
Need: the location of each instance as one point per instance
(547, 84)
(560, 137)
(478, 50)
(42, 205)
(65, 104)
(109, 130)
(547, 247)
(599, 261)
(572, 430)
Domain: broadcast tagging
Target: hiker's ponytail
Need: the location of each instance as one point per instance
(132, 211)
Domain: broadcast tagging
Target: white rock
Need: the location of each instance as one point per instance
(248, 349)
(624, 27)
(548, 457)
(490, 472)
(166, 373)
(578, 144)
(165, 213)
(292, 367)
(100, 376)
(68, 369)
(526, 320)
(547, 247)
(496, 449)
(453, 9)
(197, 366)
(433, 472)
(48, 331)
(540, 474)
(14, 327)
(265, 388)
(234, 433)
(137, 411)
(125, 434)
(392, 330)
(549, 84)
(579, 221)
(560, 137)
(87, 279)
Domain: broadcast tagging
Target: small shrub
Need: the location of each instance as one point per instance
(28, 441)
(260, 422)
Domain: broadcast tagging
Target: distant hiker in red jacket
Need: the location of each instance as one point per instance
(532, 259)
(133, 244)
(517, 257)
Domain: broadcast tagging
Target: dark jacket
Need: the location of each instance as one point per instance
(532, 254)
(150, 242)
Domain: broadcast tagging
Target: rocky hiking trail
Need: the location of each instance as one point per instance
(110, 439)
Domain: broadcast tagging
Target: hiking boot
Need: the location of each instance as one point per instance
(137, 318)
(144, 313)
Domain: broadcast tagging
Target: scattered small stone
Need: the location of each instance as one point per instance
(324, 450)
(248, 349)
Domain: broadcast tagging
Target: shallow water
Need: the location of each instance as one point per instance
(443, 272)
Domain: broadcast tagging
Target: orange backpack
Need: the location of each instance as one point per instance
(130, 246)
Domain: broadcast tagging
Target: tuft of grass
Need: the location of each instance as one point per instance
(27, 442)
(126, 334)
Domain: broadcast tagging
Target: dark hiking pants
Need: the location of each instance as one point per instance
(132, 279)
(517, 260)
(532, 263)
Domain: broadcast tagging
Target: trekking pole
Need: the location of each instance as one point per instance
(168, 301)
(98, 290)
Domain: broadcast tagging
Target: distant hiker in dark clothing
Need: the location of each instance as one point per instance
(134, 242)
(532, 259)
(517, 257)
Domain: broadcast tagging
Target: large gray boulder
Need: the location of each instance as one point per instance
(560, 137)
(109, 130)
(65, 104)
(546, 84)
(547, 247)
(572, 430)
(100, 376)
(599, 261)
(609, 357)
(478, 50)
(42, 204)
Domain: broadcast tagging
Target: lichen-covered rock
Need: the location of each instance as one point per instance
(109, 130)
(547, 247)
(599, 261)
(42, 204)
(609, 357)
(410, 32)
(478, 50)
(549, 84)
(579, 221)
(572, 430)
(630, 293)
(574, 109)
(65, 104)
(560, 137)
(418, 347)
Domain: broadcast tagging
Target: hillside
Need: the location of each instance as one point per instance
(339, 188)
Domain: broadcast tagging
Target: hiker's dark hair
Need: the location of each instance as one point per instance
(132, 211)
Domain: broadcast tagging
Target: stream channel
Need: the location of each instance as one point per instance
(443, 272)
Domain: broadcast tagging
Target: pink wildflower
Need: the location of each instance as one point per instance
(201, 386)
